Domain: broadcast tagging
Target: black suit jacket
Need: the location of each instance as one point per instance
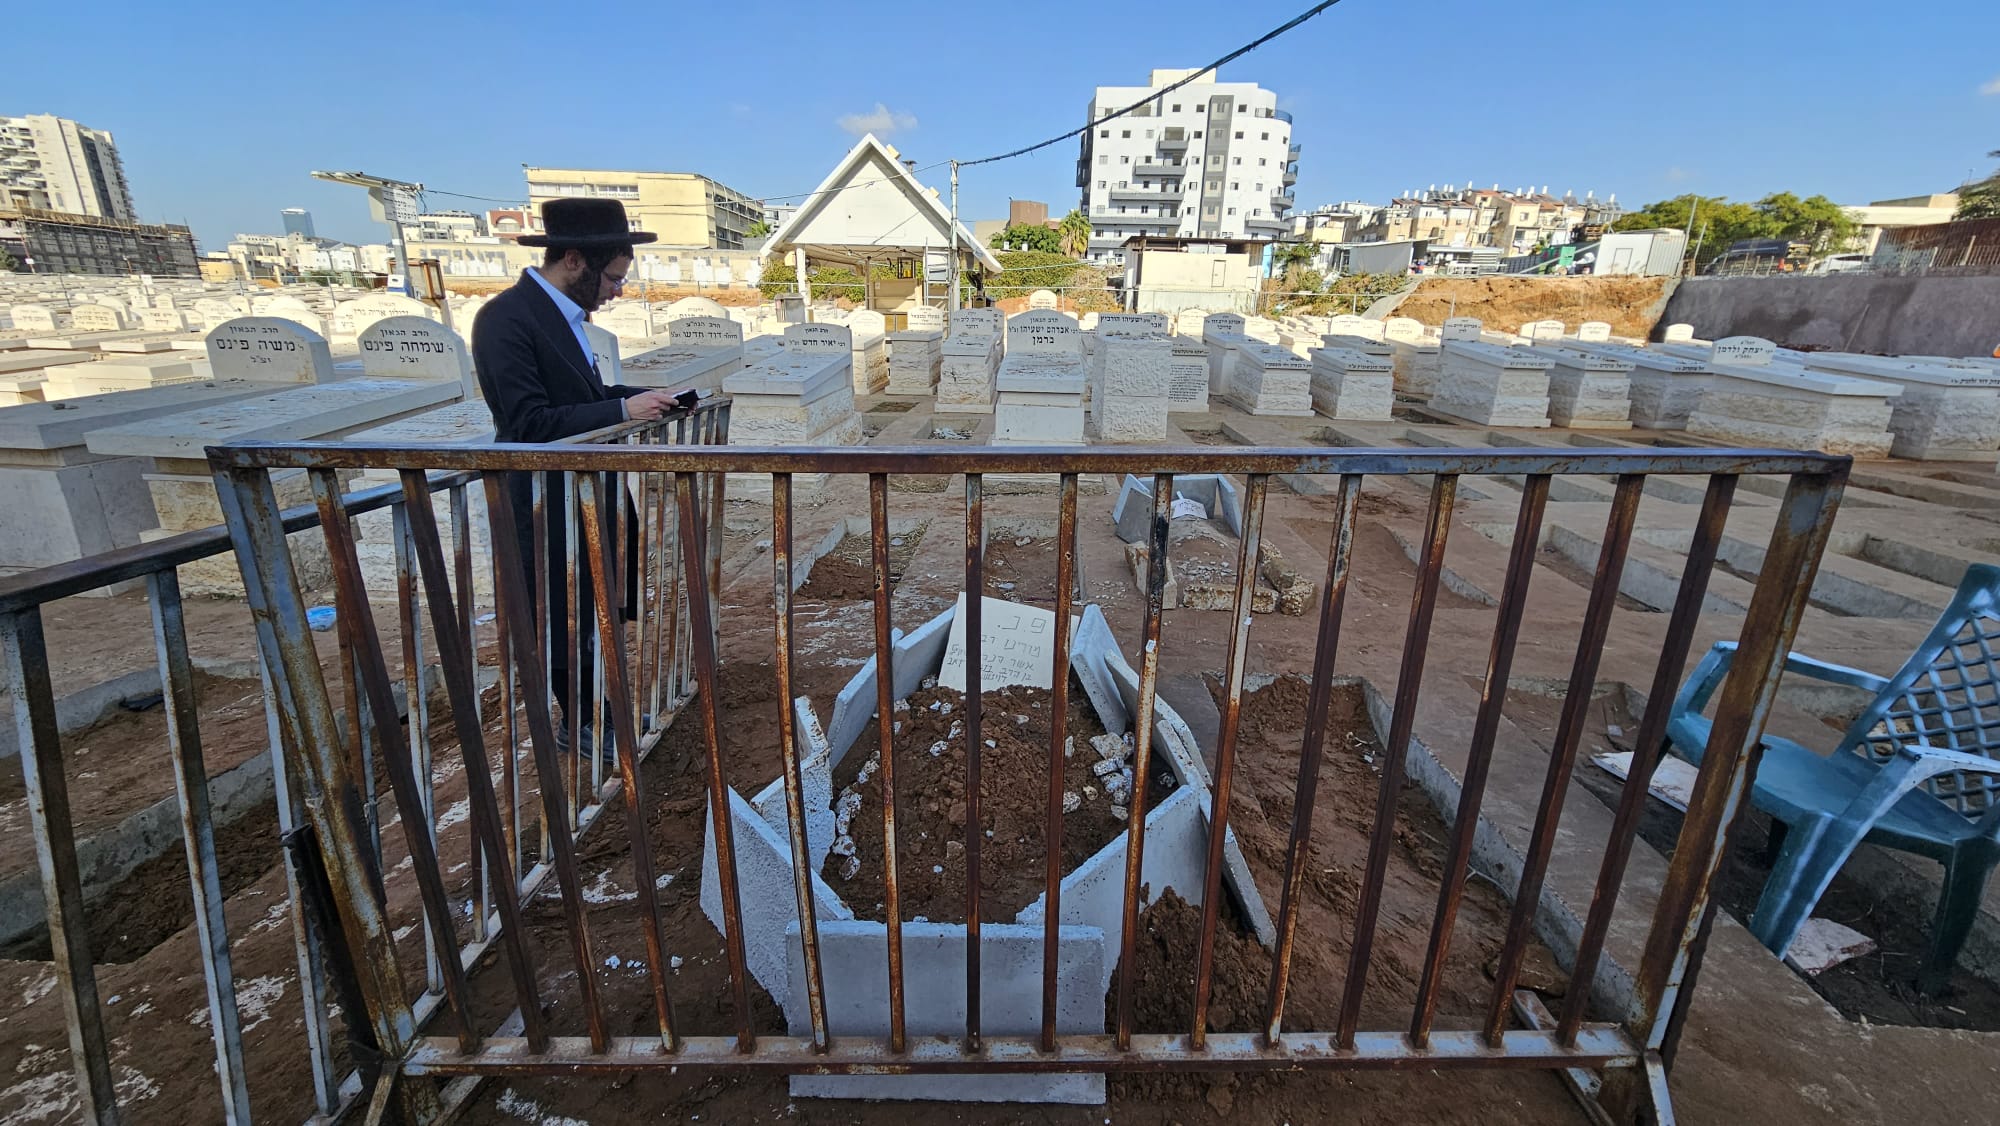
(539, 385)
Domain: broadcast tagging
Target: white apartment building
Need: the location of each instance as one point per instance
(55, 164)
(1210, 159)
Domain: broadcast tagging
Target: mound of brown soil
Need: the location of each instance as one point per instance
(1630, 305)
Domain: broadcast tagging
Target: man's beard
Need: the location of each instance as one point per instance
(585, 288)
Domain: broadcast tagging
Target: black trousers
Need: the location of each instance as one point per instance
(555, 557)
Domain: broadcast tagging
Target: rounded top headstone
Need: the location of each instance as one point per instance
(695, 307)
(268, 350)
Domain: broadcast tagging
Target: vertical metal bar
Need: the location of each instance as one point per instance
(542, 617)
(163, 592)
(1052, 865)
(788, 751)
(975, 691)
(1784, 583)
(455, 655)
(1647, 751)
(461, 545)
(1409, 678)
(721, 815)
(1485, 728)
(885, 727)
(560, 843)
(510, 789)
(297, 687)
(1318, 699)
(1142, 755)
(351, 601)
(573, 650)
(306, 941)
(605, 578)
(55, 854)
(1562, 755)
(409, 621)
(1225, 755)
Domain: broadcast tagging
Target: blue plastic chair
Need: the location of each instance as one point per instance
(1917, 771)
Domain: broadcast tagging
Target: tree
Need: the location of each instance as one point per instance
(1022, 236)
(1980, 200)
(758, 229)
(1725, 222)
(8, 264)
(1816, 221)
(1074, 234)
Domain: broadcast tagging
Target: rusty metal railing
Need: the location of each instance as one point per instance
(1634, 1048)
(421, 565)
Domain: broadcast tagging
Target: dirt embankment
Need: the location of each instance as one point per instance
(1630, 305)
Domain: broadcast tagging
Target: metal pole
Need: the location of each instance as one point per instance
(953, 275)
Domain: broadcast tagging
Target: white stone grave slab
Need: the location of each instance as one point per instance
(416, 348)
(1042, 299)
(1407, 330)
(1543, 330)
(1588, 391)
(1460, 328)
(1187, 378)
(1780, 406)
(1678, 334)
(96, 318)
(1348, 384)
(926, 318)
(1752, 350)
(1016, 646)
(1044, 332)
(163, 320)
(33, 318)
(1493, 386)
(1348, 324)
(1593, 332)
(268, 350)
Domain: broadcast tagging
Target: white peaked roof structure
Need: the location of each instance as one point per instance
(871, 208)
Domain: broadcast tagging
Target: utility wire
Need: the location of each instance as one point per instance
(1154, 95)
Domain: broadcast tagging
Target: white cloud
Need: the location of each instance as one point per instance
(1991, 88)
(880, 121)
(1676, 174)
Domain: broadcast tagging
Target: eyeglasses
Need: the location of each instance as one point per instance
(616, 282)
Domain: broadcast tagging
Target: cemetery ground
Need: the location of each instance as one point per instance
(1762, 1043)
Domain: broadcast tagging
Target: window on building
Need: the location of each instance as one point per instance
(1103, 159)
(1149, 134)
(1124, 160)
(1177, 107)
(1266, 137)
(1232, 211)
(1121, 183)
(1239, 134)
(1256, 211)
(1124, 134)
(1236, 160)
(1197, 134)
(1215, 185)
(1260, 187)
(1121, 209)
(1235, 185)
(1261, 162)
(1104, 133)
(1208, 211)
(1100, 183)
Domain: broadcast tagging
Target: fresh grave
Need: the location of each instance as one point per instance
(854, 950)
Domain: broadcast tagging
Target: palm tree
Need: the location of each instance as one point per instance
(1981, 199)
(1074, 229)
(759, 229)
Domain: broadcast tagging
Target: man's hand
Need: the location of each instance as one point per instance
(652, 404)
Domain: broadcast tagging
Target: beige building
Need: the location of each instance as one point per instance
(55, 164)
(1914, 211)
(682, 208)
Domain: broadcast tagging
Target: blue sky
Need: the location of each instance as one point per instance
(221, 109)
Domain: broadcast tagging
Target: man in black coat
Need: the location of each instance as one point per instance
(541, 381)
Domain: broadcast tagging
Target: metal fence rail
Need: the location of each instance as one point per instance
(445, 577)
(1634, 1047)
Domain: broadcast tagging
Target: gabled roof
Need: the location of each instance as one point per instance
(872, 206)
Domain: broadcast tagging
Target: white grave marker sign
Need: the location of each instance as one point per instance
(1543, 330)
(1042, 299)
(1461, 328)
(268, 350)
(1132, 324)
(162, 320)
(1016, 646)
(705, 332)
(817, 337)
(925, 318)
(414, 348)
(1221, 322)
(975, 322)
(96, 318)
(1678, 334)
(1409, 330)
(1752, 350)
(1044, 332)
(34, 318)
(1595, 332)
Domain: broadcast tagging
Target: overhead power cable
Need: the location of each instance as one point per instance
(1153, 95)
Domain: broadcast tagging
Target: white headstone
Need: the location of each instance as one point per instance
(34, 318)
(1016, 646)
(1543, 330)
(926, 318)
(1593, 331)
(378, 306)
(816, 337)
(1222, 322)
(1678, 334)
(1406, 329)
(1754, 350)
(705, 332)
(1347, 324)
(627, 320)
(1042, 299)
(415, 348)
(268, 350)
(1044, 332)
(865, 323)
(293, 309)
(162, 320)
(1132, 324)
(694, 307)
(1460, 328)
(975, 322)
(96, 318)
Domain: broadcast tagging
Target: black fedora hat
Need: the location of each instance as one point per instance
(585, 223)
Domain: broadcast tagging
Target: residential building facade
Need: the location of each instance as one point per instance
(682, 208)
(58, 242)
(54, 164)
(1208, 160)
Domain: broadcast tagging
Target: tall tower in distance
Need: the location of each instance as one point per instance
(55, 164)
(298, 221)
(1208, 160)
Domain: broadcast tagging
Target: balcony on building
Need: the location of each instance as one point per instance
(1283, 201)
(1174, 138)
(1282, 115)
(1156, 168)
(1291, 175)
(1144, 194)
(1292, 152)
(1154, 220)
